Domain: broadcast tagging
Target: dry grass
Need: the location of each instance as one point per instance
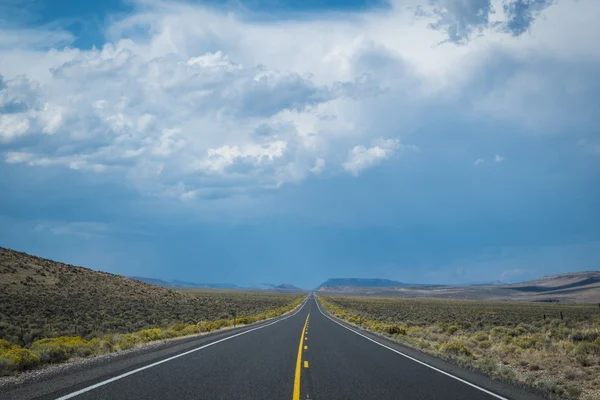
(527, 343)
(51, 312)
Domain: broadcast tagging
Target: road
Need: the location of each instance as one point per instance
(305, 355)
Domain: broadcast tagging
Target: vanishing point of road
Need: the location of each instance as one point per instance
(304, 355)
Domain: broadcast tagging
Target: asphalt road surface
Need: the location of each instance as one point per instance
(304, 355)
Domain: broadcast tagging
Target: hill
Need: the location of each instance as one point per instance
(574, 287)
(43, 298)
(336, 282)
(183, 284)
(286, 287)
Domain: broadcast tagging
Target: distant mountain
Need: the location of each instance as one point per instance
(493, 283)
(206, 285)
(182, 284)
(363, 282)
(573, 287)
(264, 286)
(286, 287)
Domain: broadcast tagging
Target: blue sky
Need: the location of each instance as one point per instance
(444, 141)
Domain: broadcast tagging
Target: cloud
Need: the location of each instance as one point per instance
(361, 158)
(186, 101)
(462, 19)
(479, 161)
(498, 158)
(86, 230)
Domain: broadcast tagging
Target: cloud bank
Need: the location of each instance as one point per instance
(183, 100)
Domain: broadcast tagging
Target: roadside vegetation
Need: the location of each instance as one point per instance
(553, 348)
(52, 312)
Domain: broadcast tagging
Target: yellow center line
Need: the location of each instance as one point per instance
(299, 363)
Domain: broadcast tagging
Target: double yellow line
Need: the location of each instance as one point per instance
(299, 362)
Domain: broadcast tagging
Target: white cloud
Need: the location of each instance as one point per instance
(479, 161)
(15, 157)
(187, 94)
(319, 166)
(498, 158)
(361, 158)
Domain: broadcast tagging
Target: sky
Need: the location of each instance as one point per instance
(268, 141)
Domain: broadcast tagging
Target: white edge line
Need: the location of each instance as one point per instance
(412, 358)
(135, 371)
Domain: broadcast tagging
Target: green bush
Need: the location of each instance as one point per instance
(452, 329)
(4, 345)
(395, 330)
(178, 327)
(455, 348)
(481, 336)
(51, 353)
(126, 342)
(53, 350)
(101, 346)
(170, 333)
(585, 336)
(190, 330)
(149, 335)
(585, 348)
(18, 360)
(526, 343)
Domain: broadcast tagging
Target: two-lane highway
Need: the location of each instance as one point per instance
(305, 355)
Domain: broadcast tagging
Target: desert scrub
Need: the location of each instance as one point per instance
(74, 301)
(510, 341)
(55, 350)
(14, 358)
(455, 348)
(17, 360)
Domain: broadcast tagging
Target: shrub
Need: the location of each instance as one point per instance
(455, 348)
(585, 348)
(573, 391)
(487, 365)
(149, 335)
(101, 346)
(573, 374)
(486, 344)
(190, 330)
(4, 345)
(395, 330)
(126, 342)
(53, 350)
(584, 336)
(526, 343)
(452, 329)
(178, 327)
(549, 386)
(18, 360)
(481, 336)
(170, 333)
(51, 353)
(505, 373)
